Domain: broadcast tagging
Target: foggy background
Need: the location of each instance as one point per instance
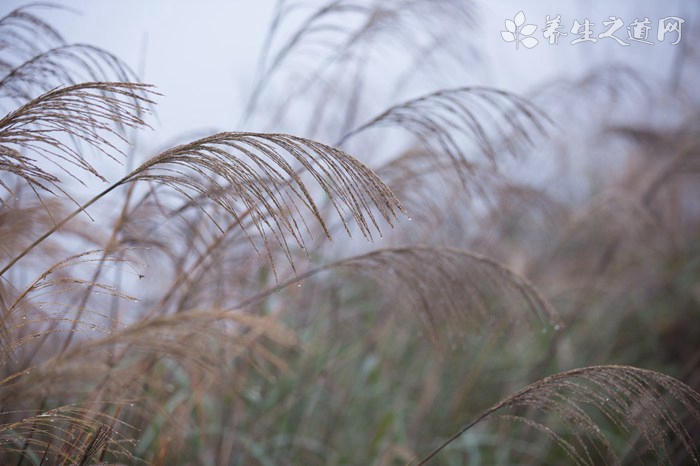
(203, 56)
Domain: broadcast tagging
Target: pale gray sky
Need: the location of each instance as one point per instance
(202, 55)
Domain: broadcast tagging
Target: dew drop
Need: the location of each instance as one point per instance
(557, 327)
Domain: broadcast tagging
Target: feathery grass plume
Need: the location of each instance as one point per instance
(681, 150)
(248, 175)
(448, 121)
(21, 219)
(26, 218)
(86, 112)
(207, 260)
(34, 58)
(434, 195)
(344, 35)
(24, 35)
(63, 435)
(61, 66)
(259, 176)
(452, 290)
(138, 364)
(94, 444)
(608, 86)
(122, 361)
(38, 311)
(644, 407)
(186, 335)
(629, 253)
(449, 289)
(415, 176)
(640, 206)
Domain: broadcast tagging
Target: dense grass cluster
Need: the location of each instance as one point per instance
(336, 283)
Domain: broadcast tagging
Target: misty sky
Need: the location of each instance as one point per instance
(202, 55)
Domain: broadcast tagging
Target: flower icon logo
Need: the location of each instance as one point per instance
(515, 29)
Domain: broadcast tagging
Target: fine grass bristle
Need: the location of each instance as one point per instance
(636, 402)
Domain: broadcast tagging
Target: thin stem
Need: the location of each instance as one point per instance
(56, 227)
(460, 432)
